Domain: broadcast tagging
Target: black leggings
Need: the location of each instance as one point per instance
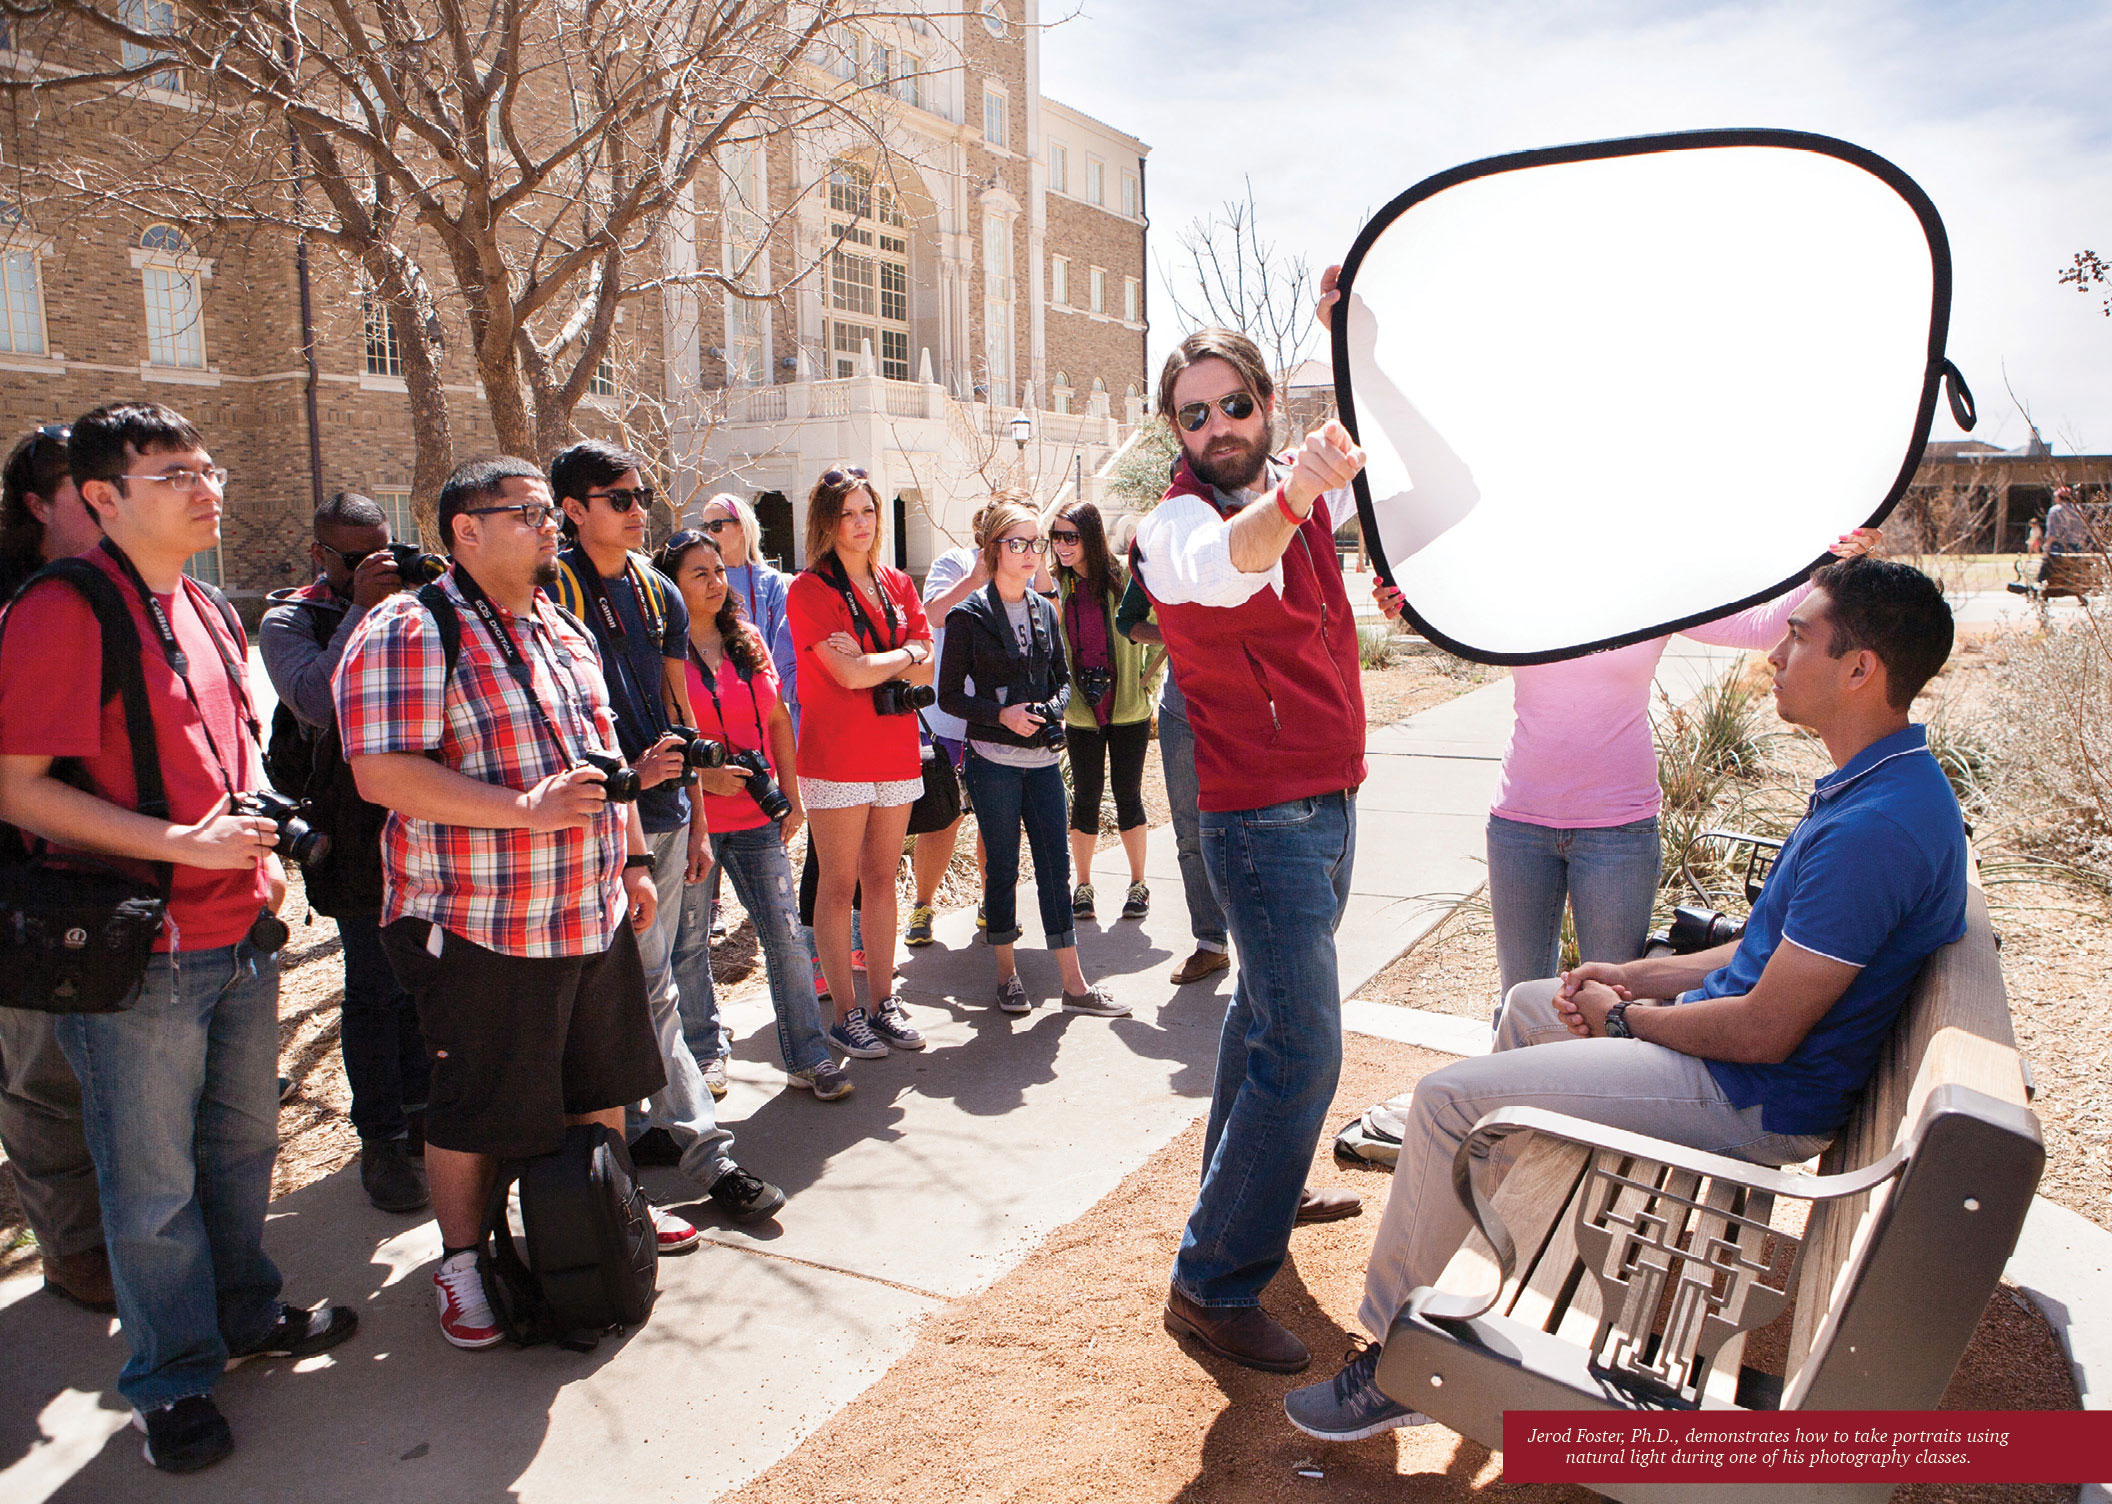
(1091, 751)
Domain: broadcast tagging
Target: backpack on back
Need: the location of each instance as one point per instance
(587, 1260)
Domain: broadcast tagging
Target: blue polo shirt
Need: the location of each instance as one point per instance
(1874, 876)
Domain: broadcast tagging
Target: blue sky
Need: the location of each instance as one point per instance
(1998, 111)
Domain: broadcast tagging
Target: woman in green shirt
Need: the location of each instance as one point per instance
(1113, 684)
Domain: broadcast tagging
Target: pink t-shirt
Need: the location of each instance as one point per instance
(1581, 756)
(745, 703)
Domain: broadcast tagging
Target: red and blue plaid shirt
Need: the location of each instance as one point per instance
(518, 892)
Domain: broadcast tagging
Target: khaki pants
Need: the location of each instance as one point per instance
(42, 1136)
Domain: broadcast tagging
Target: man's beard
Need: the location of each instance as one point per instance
(1233, 472)
(546, 572)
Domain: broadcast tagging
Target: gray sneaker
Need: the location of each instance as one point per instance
(827, 1081)
(853, 1035)
(1012, 995)
(1097, 1001)
(891, 1022)
(1350, 1406)
(715, 1076)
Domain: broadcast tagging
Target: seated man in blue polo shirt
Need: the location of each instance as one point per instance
(1757, 1048)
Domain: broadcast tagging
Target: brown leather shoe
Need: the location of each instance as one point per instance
(1331, 1204)
(1202, 964)
(1246, 1335)
(84, 1279)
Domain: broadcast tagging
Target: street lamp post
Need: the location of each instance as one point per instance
(1022, 430)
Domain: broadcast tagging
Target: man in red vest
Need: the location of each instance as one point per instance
(1239, 562)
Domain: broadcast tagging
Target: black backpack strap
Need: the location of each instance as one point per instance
(442, 607)
(509, 1285)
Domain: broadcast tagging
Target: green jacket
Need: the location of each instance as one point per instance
(1137, 669)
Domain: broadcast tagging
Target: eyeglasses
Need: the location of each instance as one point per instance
(184, 481)
(350, 561)
(719, 524)
(834, 478)
(1064, 535)
(1026, 545)
(1238, 406)
(533, 513)
(623, 498)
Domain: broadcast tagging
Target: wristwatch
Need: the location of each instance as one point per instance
(641, 859)
(1617, 1022)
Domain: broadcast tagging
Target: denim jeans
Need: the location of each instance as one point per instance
(385, 1060)
(1282, 874)
(1206, 917)
(1609, 876)
(1006, 798)
(762, 880)
(180, 1097)
(684, 1106)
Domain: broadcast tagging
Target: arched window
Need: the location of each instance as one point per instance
(21, 288)
(1060, 392)
(1099, 387)
(868, 289)
(166, 238)
(169, 272)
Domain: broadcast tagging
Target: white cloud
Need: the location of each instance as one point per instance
(1335, 108)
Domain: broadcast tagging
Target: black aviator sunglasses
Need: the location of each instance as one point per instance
(1238, 406)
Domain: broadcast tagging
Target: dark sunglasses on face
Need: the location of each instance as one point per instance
(533, 513)
(1238, 406)
(719, 524)
(623, 498)
(1064, 535)
(834, 478)
(349, 560)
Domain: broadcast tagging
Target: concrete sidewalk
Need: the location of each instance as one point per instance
(934, 1179)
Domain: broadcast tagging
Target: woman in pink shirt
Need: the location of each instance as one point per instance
(1575, 817)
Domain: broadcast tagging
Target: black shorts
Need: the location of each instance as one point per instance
(521, 1042)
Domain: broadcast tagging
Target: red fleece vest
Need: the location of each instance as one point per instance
(1273, 691)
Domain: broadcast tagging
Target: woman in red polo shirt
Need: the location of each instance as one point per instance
(857, 625)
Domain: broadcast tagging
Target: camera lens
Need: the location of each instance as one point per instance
(302, 841)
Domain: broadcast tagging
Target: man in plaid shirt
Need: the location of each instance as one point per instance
(507, 870)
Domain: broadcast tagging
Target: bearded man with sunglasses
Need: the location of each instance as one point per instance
(1239, 562)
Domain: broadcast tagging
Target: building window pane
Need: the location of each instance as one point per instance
(205, 566)
(850, 190)
(851, 282)
(994, 118)
(175, 326)
(1129, 194)
(1131, 298)
(1059, 281)
(894, 354)
(603, 382)
(24, 331)
(894, 291)
(403, 525)
(384, 350)
(1099, 291)
(156, 18)
(909, 88)
(1059, 168)
(744, 337)
(1095, 182)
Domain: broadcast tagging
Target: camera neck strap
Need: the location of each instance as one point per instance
(180, 665)
(516, 664)
(833, 571)
(711, 687)
(596, 590)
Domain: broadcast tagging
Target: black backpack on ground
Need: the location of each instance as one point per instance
(587, 1260)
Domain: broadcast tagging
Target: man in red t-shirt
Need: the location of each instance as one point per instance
(180, 1089)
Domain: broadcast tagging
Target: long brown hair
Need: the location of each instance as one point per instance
(1099, 575)
(825, 509)
(744, 644)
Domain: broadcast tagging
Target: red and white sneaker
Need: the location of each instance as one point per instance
(857, 960)
(673, 1233)
(465, 1315)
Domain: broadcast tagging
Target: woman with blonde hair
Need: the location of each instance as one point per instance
(864, 652)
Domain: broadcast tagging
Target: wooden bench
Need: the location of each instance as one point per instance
(2079, 575)
(1617, 1272)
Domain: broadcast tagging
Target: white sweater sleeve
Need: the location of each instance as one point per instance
(1187, 553)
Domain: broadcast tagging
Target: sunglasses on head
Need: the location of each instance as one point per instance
(835, 478)
(623, 498)
(1238, 406)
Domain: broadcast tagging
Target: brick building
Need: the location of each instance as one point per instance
(983, 261)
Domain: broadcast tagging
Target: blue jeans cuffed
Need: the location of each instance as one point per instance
(1006, 798)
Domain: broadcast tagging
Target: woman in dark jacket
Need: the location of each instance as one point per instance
(1005, 639)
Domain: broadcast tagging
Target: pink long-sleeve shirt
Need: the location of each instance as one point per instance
(1581, 756)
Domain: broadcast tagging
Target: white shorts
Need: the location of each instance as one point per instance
(828, 793)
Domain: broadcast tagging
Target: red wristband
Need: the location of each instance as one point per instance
(1283, 505)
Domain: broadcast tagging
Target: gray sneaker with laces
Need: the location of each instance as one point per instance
(853, 1035)
(1350, 1406)
(1012, 995)
(827, 1081)
(891, 1022)
(1097, 1001)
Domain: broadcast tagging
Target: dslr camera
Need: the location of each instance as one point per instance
(762, 788)
(1050, 733)
(900, 697)
(698, 751)
(620, 780)
(1093, 683)
(297, 838)
(415, 568)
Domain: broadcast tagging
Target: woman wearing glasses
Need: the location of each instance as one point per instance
(1109, 720)
(744, 829)
(864, 653)
(1005, 640)
(731, 523)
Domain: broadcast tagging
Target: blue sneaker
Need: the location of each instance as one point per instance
(1350, 1406)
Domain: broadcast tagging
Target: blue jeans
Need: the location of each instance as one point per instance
(1609, 876)
(180, 1098)
(1282, 874)
(1006, 798)
(762, 880)
(385, 1060)
(684, 1106)
(1206, 917)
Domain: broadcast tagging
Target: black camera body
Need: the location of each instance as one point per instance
(1695, 928)
(1092, 683)
(698, 751)
(297, 838)
(900, 697)
(620, 780)
(1050, 732)
(762, 788)
(415, 568)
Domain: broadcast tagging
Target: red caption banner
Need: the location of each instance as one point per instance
(1815, 1446)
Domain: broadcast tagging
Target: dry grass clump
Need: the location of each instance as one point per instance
(2047, 734)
